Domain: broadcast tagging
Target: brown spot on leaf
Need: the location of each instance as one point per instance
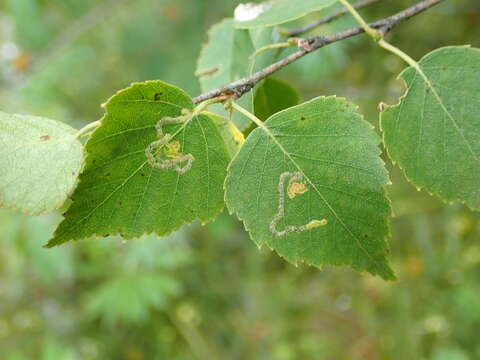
(157, 96)
(44, 137)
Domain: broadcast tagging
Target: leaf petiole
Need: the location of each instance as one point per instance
(205, 104)
(87, 129)
(377, 36)
(374, 34)
(249, 115)
(253, 57)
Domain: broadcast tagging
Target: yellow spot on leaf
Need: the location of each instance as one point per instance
(316, 223)
(172, 150)
(296, 188)
(236, 133)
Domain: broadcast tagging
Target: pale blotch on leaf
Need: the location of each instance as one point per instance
(295, 187)
(250, 11)
(165, 154)
(172, 150)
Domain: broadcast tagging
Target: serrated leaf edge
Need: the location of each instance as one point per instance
(401, 166)
(233, 211)
(203, 222)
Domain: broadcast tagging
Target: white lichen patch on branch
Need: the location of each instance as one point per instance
(295, 187)
(250, 11)
(165, 154)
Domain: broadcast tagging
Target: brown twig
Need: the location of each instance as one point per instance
(327, 19)
(244, 85)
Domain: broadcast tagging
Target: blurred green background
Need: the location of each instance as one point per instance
(208, 292)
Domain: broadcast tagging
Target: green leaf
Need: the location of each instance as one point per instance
(269, 13)
(120, 192)
(311, 186)
(40, 160)
(226, 58)
(434, 132)
(130, 298)
(273, 96)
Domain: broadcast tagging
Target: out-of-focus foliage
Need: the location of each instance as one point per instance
(207, 292)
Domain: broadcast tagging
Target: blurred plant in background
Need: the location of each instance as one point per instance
(207, 292)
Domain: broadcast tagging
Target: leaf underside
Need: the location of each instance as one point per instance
(434, 132)
(121, 193)
(260, 38)
(40, 160)
(336, 152)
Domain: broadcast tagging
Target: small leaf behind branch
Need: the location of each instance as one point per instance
(272, 96)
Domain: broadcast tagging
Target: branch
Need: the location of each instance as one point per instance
(327, 19)
(242, 86)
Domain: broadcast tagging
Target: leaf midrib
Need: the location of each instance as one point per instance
(119, 187)
(445, 110)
